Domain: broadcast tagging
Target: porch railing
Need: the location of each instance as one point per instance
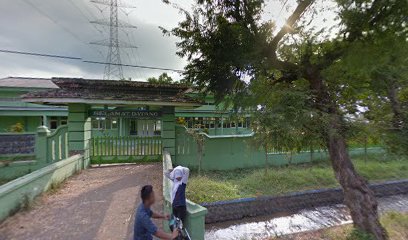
(126, 146)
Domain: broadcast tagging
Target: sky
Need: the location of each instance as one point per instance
(62, 27)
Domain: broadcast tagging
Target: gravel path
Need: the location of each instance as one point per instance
(98, 203)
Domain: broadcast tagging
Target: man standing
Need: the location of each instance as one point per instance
(179, 176)
(144, 228)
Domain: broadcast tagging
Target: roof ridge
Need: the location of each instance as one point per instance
(124, 82)
(19, 77)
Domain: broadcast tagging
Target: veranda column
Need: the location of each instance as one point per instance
(79, 131)
(168, 133)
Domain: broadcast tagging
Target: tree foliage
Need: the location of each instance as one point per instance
(303, 79)
(162, 79)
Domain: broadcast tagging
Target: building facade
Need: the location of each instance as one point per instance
(19, 116)
(14, 113)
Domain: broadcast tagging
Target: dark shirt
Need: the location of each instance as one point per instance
(144, 227)
(180, 197)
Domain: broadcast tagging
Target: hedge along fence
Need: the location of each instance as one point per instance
(230, 152)
(195, 222)
(265, 205)
(19, 192)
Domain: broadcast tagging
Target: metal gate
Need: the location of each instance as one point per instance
(133, 148)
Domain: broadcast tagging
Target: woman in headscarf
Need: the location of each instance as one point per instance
(179, 176)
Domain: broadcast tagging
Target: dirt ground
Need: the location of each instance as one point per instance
(98, 203)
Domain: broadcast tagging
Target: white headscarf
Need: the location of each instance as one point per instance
(178, 172)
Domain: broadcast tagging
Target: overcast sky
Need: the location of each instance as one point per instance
(62, 27)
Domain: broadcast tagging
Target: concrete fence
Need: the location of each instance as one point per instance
(251, 207)
(228, 152)
(48, 147)
(17, 143)
(19, 192)
(195, 213)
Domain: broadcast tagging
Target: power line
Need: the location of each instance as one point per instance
(43, 13)
(84, 15)
(88, 61)
(134, 51)
(132, 59)
(85, 7)
(40, 54)
(136, 66)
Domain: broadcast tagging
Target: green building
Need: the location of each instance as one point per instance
(129, 120)
(13, 112)
(19, 116)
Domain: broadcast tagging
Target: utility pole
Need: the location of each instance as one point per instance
(113, 67)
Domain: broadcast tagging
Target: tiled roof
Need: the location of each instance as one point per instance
(110, 90)
(25, 82)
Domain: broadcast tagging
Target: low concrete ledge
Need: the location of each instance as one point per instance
(16, 193)
(265, 205)
(195, 213)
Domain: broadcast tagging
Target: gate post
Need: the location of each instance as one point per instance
(168, 133)
(79, 131)
(41, 144)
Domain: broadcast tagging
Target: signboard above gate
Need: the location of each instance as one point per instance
(125, 114)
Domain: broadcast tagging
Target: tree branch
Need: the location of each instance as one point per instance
(300, 9)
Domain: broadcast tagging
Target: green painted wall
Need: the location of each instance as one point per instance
(49, 148)
(108, 132)
(17, 111)
(30, 122)
(16, 193)
(15, 169)
(168, 132)
(229, 153)
(229, 131)
(79, 131)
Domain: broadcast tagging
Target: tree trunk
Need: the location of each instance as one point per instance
(266, 161)
(365, 149)
(311, 153)
(200, 149)
(395, 104)
(358, 197)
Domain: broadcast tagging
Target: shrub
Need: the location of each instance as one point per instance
(17, 128)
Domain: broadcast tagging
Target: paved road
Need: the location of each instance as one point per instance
(98, 203)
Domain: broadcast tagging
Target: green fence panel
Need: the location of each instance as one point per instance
(126, 146)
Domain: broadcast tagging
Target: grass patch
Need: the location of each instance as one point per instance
(216, 190)
(226, 185)
(395, 223)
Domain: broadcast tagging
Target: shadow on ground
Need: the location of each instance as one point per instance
(98, 203)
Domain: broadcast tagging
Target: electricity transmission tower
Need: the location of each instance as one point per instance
(113, 67)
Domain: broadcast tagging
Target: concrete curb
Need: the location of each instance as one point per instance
(18, 192)
(265, 205)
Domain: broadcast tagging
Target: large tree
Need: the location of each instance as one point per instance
(164, 78)
(230, 49)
